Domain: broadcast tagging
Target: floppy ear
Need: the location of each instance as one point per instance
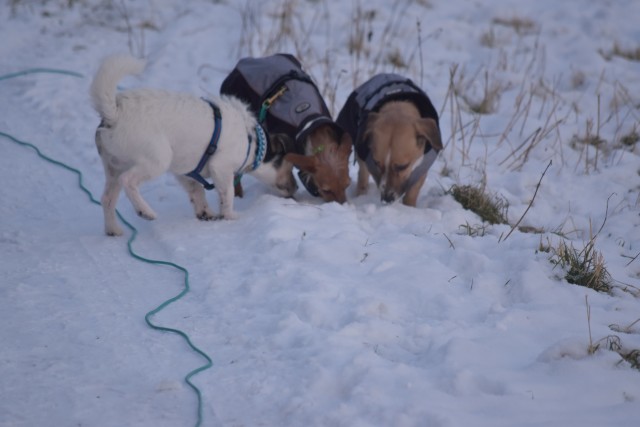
(304, 163)
(280, 143)
(428, 128)
(368, 127)
(371, 118)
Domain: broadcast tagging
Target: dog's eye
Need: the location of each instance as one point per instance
(400, 168)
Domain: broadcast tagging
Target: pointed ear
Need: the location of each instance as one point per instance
(304, 163)
(280, 143)
(345, 144)
(428, 129)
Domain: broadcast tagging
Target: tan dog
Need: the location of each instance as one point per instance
(396, 134)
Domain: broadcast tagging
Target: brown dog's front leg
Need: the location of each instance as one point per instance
(237, 188)
(363, 178)
(411, 196)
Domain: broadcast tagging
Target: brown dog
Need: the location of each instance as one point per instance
(324, 165)
(396, 136)
(290, 107)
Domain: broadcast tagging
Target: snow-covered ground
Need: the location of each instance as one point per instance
(317, 314)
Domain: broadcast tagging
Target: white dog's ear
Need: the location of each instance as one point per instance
(280, 143)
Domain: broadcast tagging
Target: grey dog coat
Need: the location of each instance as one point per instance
(370, 96)
(296, 112)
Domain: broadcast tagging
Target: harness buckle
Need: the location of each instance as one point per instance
(269, 101)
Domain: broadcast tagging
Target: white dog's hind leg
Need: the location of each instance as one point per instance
(109, 200)
(130, 180)
(197, 197)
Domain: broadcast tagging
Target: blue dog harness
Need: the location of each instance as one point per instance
(211, 148)
(261, 150)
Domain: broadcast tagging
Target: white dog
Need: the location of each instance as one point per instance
(145, 133)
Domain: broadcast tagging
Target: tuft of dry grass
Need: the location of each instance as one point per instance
(630, 139)
(489, 99)
(590, 139)
(490, 208)
(521, 26)
(395, 59)
(489, 39)
(632, 54)
(583, 268)
(578, 79)
(545, 247)
(613, 342)
(478, 230)
(587, 139)
(361, 31)
(530, 229)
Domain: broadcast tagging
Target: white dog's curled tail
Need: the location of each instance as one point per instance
(103, 88)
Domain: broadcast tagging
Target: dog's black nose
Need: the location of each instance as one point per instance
(388, 197)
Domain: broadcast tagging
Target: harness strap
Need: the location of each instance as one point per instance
(308, 183)
(424, 166)
(261, 151)
(211, 148)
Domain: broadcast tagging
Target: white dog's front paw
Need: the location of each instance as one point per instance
(113, 230)
(147, 214)
(206, 215)
(229, 215)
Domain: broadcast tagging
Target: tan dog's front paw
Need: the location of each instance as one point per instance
(409, 201)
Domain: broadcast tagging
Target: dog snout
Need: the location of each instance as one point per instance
(288, 188)
(388, 197)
